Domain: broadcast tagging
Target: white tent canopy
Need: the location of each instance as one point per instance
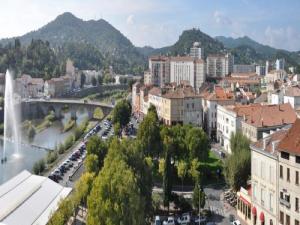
(29, 199)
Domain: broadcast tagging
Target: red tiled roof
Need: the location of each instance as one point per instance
(273, 138)
(266, 115)
(291, 142)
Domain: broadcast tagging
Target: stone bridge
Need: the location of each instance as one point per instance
(37, 108)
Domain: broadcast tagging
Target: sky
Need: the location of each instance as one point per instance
(159, 23)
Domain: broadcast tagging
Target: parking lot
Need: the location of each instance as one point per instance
(71, 167)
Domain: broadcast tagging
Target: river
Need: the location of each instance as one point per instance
(28, 155)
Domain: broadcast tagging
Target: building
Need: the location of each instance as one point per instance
(147, 77)
(210, 102)
(275, 75)
(280, 63)
(247, 81)
(254, 121)
(292, 95)
(244, 204)
(187, 69)
(264, 178)
(175, 104)
(196, 51)
(57, 87)
(30, 199)
(90, 75)
(73, 72)
(264, 119)
(260, 70)
(159, 69)
(28, 87)
(243, 68)
(288, 176)
(219, 65)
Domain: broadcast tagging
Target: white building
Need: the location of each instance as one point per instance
(28, 87)
(187, 69)
(280, 63)
(90, 75)
(274, 75)
(196, 51)
(28, 199)
(219, 65)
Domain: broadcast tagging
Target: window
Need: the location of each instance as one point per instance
(297, 222)
(187, 105)
(281, 171)
(288, 174)
(281, 195)
(262, 197)
(287, 198)
(270, 202)
(297, 159)
(297, 204)
(285, 155)
(281, 218)
(297, 178)
(193, 105)
(287, 219)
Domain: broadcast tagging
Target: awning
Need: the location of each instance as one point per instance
(262, 217)
(254, 212)
(245, 200)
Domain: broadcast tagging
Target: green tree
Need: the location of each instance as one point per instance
(117, 129)
(197, 144)
(115, 197)
(94, 81)
(100, 80)
(91, 163)
(82, 80)
(238, 141)
(121, 113)
(237, 169)
(96, 146)
(194, 170)
(148, 134)
(182, 169)
(198, 191)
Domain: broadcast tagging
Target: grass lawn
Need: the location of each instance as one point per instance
(210, 167)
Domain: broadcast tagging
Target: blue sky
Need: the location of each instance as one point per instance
(159, 22)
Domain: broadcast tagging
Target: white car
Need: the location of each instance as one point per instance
(236, 222)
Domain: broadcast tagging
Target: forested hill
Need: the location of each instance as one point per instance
(111, 43)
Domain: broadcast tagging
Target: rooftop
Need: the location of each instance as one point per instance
(291, 141)
(219, 94)
(29, 199)
(265, 115)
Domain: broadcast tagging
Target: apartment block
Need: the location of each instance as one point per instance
(219, 65)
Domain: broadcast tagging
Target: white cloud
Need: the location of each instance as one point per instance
(130, 19)
(284, 38)
(221, 18)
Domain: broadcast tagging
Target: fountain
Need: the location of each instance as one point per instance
(11, 118)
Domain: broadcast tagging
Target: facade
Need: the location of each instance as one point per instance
(244, 204)
(90, 75)
(210, 102)
(177, 104)
(274, 75)
(292, 95)
(220, 65)
(242, 68)
(260, 70)
(187, 69)
(264, 178)
(288, 177)
(280, 63)
(28, 87)
(57, 87)
(2, 83)
(196, 51)
(159, 69)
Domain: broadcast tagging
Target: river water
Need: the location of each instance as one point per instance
(28, 155)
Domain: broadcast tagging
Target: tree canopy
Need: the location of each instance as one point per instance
(121, 113)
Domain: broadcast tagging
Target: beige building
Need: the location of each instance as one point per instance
(28, 87)
(274, 75)
(289, 169)
(264, 179)
(57, 87)
(244, 204)
(159, 71)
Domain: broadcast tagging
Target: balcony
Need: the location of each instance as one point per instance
(285, 203)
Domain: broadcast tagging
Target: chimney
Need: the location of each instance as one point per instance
(274, 145)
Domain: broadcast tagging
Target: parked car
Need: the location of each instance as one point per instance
(200, 220)
(171, 220)
(236, 222)
(184, 219)
(157, 220)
